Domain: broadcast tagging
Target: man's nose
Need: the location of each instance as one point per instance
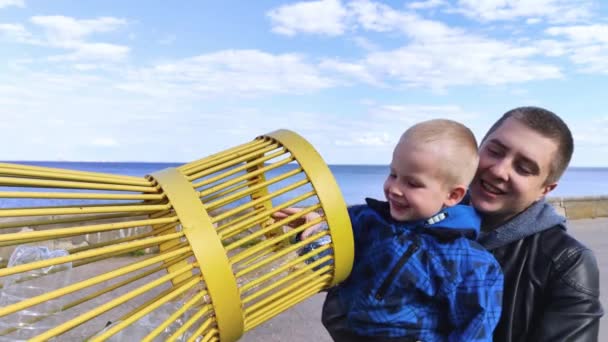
(501, 169)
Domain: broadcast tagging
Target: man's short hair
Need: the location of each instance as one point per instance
(457, 145)
(549, 125)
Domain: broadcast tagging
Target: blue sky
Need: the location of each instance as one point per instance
(176, 81)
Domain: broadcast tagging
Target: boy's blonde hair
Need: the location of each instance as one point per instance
(456, 146)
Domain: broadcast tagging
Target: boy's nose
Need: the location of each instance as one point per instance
(395, 190)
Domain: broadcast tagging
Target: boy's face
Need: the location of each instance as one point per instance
(413, 188)
(514, 162)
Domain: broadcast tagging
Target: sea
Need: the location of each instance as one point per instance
(356, 182)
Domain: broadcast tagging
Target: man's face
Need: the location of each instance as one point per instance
(514, 162)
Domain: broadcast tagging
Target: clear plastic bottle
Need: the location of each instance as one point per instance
(37, 319)
(323, 240)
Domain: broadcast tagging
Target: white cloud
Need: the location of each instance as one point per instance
(167, 40)
(95, 51)
(71, 34)
(437, 55)
(229, 72)
(104, 142)
(14, 32)
(585, 45)
(321, 17)
(551, 10)
(426, 4)
(367, 139)
(66, 31)
(7, 3)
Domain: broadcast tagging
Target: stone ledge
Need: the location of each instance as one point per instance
(582, 207)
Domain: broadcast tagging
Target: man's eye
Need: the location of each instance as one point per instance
(523, 170)
(493, 152)
(392, 175)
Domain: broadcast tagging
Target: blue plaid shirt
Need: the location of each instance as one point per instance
(428, 280)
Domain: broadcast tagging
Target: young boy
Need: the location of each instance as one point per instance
(418, 273)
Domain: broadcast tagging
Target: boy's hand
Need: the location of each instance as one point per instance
(299, 221)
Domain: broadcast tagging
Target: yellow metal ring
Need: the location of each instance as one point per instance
(329, 195)
(208, 250)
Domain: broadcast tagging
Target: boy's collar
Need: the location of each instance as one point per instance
(453, 222)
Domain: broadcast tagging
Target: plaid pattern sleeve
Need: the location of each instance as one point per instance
(476, 303)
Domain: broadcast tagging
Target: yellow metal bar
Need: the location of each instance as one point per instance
(285, 267)
(268, 243)
(285, 304)
(200, 330)
(60, 329)
(83, 255)
(82, 210)
(141, 313)
(226, 191)
(53, 220)
(228, 161)
(153, 232)
(76, 195)
(210, 337)
(302, 283)
(238, 169)
(27, 182)
(206, 245)
(275, 256)
(179, 332)
(250, 190)
(246, 176)
(172, 260)
(231, 229)
(259, 200)
(193, 167)
(121, 252)
(83, 175)
(262, 232)
(237, 220)
(7, 310)
(183, 308)
(329, 195)
(292, 276)
(66, 232)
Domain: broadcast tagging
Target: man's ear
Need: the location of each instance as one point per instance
(455, 195)
(547, 189)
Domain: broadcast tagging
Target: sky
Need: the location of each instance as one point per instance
(174, 81)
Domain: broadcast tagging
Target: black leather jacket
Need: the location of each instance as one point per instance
(551, 290)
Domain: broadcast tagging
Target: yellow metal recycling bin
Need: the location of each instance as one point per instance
(193, 251)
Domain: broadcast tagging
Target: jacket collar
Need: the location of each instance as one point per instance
(538, 217)
(448, 223)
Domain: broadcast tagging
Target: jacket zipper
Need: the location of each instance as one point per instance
(391, 276)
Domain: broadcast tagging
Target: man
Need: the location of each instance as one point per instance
(551, 287)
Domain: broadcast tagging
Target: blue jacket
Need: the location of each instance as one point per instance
(428, 280)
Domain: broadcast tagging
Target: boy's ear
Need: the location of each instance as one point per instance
(455, 195)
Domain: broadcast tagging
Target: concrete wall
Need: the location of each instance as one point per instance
(581, 207)
(572, 207)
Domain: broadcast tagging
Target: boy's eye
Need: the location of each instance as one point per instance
(392, 175)
(414, 184)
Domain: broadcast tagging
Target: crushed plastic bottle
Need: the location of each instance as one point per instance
(37, 319)
(323, 240)
(138, 330)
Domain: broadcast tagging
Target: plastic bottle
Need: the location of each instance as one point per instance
(323, 240)
(37, 319)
